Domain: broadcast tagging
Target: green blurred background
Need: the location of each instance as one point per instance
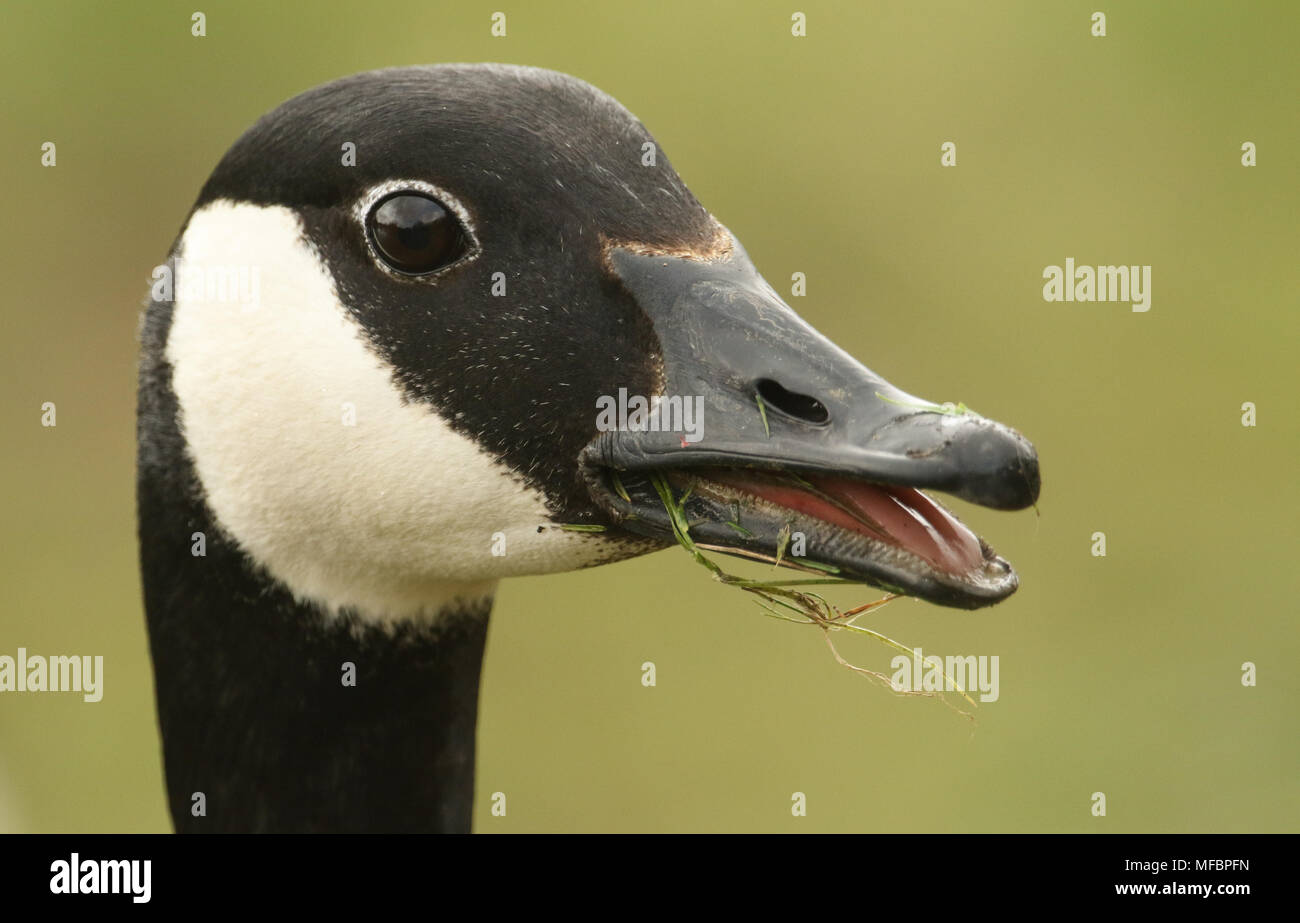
(1118, 674)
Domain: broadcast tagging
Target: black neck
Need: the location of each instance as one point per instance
(254, 713)
(252, 705)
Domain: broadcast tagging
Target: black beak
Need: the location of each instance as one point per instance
(786, 410)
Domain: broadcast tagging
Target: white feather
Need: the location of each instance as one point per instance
(395, 515)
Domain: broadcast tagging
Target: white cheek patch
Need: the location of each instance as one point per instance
(311, 459)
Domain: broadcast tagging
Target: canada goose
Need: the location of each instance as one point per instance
(325, 468)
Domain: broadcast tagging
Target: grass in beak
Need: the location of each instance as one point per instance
(826, 568)
(734, 522)
(782, 542)
(837, 503)
(948, 407)
(579, 527)
(762, 412)
(789, 601)
(740, 530)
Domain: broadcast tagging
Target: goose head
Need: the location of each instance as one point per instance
(423, 322)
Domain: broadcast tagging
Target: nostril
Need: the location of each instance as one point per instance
(800, 406)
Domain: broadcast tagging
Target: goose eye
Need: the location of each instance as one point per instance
(415, 234)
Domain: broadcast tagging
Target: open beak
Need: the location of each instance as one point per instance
(800, 451)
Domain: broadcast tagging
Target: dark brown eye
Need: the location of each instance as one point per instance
(416, 234)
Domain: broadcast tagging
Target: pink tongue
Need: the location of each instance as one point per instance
(907, 517)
